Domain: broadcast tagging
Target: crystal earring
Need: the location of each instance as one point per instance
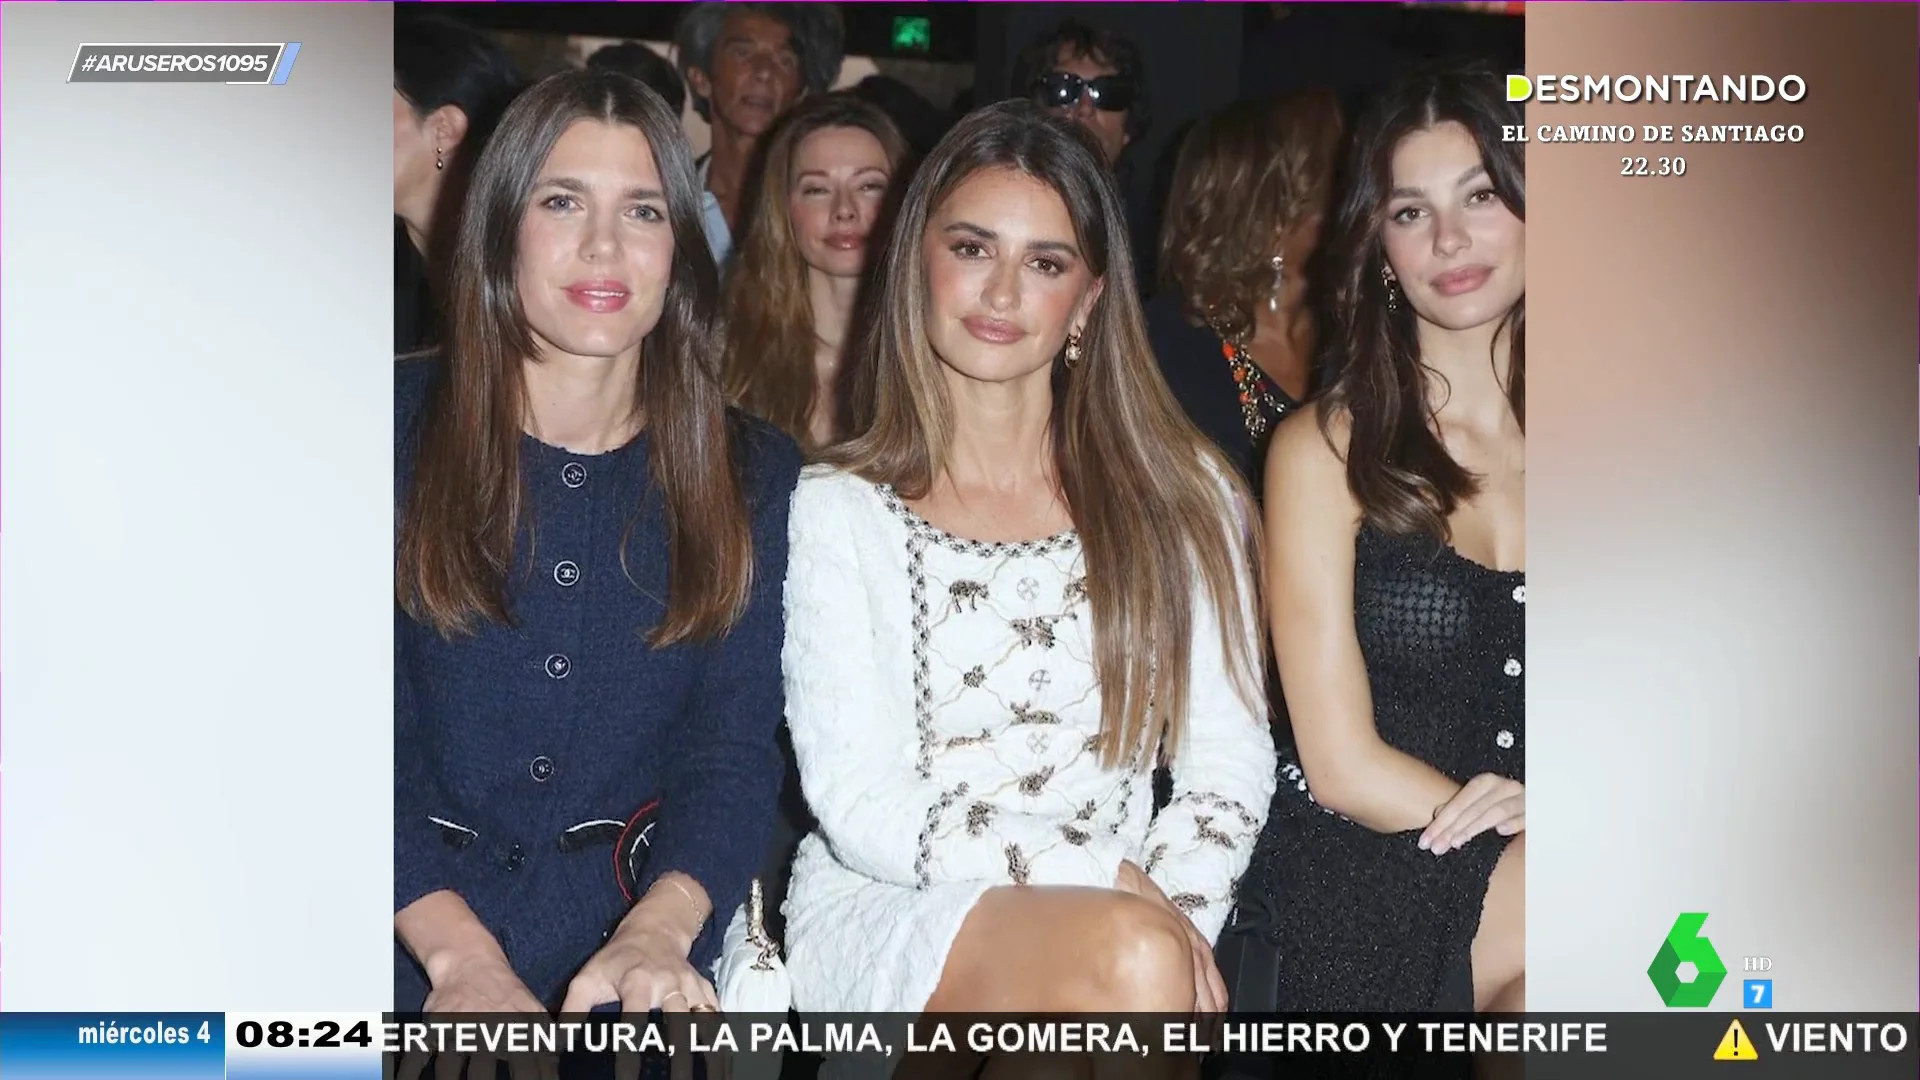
(1273, 298)
(1073, 349)
(1393, 289)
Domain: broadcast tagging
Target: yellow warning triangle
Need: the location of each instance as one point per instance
(1736, 1046)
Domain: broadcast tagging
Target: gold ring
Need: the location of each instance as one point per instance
(671, 994)
(702, 1009)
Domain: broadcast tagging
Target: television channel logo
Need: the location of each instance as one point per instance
(1685, 944)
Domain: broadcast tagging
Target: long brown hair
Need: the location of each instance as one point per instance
(1153, 500)
(1397, 468)
(1244, 177)
(465, 510)
(770, 340)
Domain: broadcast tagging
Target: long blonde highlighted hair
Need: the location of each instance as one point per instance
(770, 341)
(1154, 502)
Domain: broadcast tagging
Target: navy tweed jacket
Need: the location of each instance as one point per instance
(511, 744)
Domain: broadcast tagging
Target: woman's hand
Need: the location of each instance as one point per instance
(467, 972)
(643, 966)
(1210, 990)
(1484, 802)
(480, 983)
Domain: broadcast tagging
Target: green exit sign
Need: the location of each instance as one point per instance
(912, 33)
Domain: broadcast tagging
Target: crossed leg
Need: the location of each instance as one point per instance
(1057, 949)
(1064, 949)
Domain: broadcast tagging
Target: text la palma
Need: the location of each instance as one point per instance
(796, 1038)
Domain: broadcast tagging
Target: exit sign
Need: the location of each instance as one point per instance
(912, 33)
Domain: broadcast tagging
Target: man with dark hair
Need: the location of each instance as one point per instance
(746, 64)
(1098, 79)
(1095, 76)
(641, 62)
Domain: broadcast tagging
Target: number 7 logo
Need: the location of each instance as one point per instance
(1759, 993)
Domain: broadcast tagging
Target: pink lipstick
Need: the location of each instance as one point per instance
(599, 297)
(1464, 280)
(992, 331)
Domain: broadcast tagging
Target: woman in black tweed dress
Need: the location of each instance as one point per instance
(1391, 873)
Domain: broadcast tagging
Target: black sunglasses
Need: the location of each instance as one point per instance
(1062, 89)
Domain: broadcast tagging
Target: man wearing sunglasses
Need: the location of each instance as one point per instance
(1094, 76)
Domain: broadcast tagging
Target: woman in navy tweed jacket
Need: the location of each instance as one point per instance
(589, 562)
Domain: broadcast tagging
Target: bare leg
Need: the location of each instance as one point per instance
(1500, 949)
(1511, 998)
(1500, 955)
(1064, 950)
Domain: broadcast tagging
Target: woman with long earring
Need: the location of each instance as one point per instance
(450, 84)
(1028, 581)
(1391, 875)
(1231, 324)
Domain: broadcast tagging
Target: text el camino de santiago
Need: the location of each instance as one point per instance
(1656, 90)
(1069, 1037)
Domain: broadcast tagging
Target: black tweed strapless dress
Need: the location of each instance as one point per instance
(1332, 916)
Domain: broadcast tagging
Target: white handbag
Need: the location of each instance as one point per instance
(749, 977)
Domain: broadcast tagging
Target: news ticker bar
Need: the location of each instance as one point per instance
(258, 64)
(348, 1046)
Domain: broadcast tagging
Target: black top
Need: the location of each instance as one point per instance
(414, 321)
(522, 753)
(1202, 378)
(1444, 639)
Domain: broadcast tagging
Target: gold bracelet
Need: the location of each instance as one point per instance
(699, 919)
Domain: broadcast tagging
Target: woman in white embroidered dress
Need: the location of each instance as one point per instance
(1026, 584)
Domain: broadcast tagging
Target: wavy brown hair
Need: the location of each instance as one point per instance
(1245, 177)
(770, 340)
(466, 507)
(1397, 468)
(1162, 516)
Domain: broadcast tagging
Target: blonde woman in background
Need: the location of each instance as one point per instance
(822, 199)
